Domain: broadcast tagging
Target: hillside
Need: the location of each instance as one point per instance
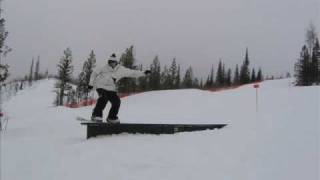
(281, 141)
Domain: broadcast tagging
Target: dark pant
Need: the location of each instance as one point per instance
(104, 97)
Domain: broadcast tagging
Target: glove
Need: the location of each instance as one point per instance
(147, 72)
(90, 87)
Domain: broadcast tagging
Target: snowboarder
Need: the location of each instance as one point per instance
(104, 80)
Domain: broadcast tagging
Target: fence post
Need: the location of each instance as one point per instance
(256, 86)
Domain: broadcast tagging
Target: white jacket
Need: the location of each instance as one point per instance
(104, 77)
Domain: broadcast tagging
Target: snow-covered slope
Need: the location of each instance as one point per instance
(281, 141)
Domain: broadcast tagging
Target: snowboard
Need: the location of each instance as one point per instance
(87, 120)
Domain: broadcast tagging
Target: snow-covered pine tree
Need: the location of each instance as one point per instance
(201, 83)
(311, 40)
(188, 78)
(127, 59)
(71, 96)
(302, 68)
(143, 84)
(224, 73)
(253, 75)
(21, 85)
(196, 83)
(210, 79)
(46, 74)
(220, 75)
(31, 72)
(207, 84)
(311, 36)
(4, 72)
(57, 99)
(81, 86)
(316, 62)
(173, 73)
(84, 76)
(259, 75)
(4, 49)
(244, 72)
(37, 70)
(165, 78)
(288, 75)
(155, 76)
(229, 76)
(177, 79)
(236, 78)
(65, 70)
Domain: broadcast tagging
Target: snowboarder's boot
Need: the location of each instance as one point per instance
(113, 120)
(96, 119)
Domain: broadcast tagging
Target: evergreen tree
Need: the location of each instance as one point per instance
(4, 49)
(81, 86)
(311, 36)
(236, 79)
(127, 59)
(228, 78)
(316, 62)
(64, 76)
(288, 75)
(84, 76)
(57, 99)
(31, 73)
(253, 76)
(71, 97)
(188, 78)
(165, 78)
(259, 76)
(178, 79)
(37, 70)
(155, 76)
(244, 72)
(143, 81)
(46, 74)
(173, 74)
(311, 41)
(210, 79)
(302, 68)
(196, 83)
(4, 72)
(307, 67)
(207, 84)
(220, 75)
(201, 83)
(224, 75)
(21, 85)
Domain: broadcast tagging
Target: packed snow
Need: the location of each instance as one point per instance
(279, 141)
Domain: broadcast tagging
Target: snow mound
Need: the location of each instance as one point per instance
(280, 141)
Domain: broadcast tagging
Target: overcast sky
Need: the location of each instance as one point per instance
(195, 32)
